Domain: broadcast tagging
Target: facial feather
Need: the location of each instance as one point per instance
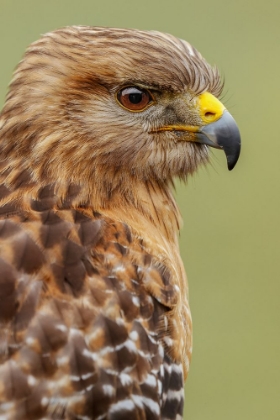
(61, 110)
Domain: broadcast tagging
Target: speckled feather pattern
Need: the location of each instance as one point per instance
(81, 336)
(94, 314)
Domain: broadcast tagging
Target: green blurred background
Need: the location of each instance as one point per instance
(230, 239)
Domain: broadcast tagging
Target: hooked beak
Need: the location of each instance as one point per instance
(222, 134)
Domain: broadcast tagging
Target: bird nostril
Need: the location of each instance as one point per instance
(210, 114)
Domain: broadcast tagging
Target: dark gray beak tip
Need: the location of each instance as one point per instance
(233, 158)
(230, 139)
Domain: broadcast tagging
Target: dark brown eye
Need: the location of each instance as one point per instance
(134, 98)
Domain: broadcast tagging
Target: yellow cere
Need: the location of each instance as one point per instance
(211, 109)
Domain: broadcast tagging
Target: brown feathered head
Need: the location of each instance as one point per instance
(89, 102)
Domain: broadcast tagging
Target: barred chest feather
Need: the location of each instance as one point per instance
(91, 323)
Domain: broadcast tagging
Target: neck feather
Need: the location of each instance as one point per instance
(134, 201)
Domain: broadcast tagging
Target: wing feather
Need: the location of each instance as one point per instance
(80, 331)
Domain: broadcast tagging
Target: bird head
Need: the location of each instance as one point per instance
(88, 101)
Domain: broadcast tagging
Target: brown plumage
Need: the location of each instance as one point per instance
(94, 315)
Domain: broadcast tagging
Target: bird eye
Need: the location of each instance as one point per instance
(134, 98)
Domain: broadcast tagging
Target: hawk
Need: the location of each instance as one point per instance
(94, 314)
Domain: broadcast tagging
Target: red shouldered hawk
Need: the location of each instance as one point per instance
(94, 314)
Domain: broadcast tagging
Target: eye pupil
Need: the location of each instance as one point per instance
(134, 98)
